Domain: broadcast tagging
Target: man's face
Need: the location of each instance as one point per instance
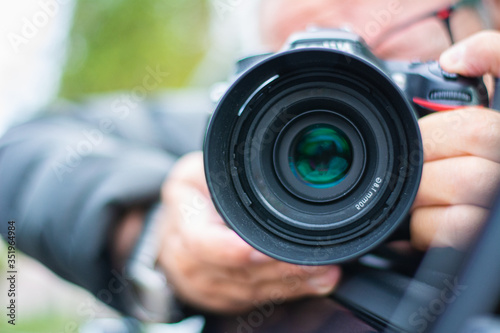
(424, 40)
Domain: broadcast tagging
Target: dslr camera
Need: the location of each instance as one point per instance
(313, 155)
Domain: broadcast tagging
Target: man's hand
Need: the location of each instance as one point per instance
(462, 155)
(210, 266)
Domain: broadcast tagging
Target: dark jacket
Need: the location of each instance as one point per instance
(67, 178)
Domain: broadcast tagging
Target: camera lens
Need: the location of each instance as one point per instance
(313, 156)
(318, 156)
(321, 156)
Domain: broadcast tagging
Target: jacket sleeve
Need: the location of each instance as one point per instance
(67, 179)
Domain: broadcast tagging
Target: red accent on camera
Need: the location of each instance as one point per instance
(435, 106)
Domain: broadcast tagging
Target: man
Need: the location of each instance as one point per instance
(83, 219)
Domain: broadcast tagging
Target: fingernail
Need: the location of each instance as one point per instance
(259, 257)
(453, 58)
(325, 282)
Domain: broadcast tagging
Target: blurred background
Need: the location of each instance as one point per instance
(54, 53)
(70, 49)
(60, 52)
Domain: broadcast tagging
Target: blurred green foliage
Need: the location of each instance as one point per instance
(50, 322)
(112, 43)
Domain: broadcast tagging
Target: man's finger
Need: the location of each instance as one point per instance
(475, 56)
(218, 245)
(204, 233)
(466, 180)
(296, 287)
(446, 225)
(472, 131)
(287, 289)
(189, 170)
(272, 271)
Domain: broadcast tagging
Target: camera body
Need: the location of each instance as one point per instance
(313, 155)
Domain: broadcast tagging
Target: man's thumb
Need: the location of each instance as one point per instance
(475, 56)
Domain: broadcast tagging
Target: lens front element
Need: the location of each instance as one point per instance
(321, 156)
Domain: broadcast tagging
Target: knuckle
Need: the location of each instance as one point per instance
(488, 171)
(464, 178)
(478, 179)
(194, 247)
(482, 129)
(235, 255)
(461, 224)
(238, 295)
(259, 294)
(474, 127)
(242, 274)
(206, 287)
(491, 135)
(489, 178)
(253, 293)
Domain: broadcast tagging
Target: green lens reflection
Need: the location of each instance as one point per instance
(321, 155)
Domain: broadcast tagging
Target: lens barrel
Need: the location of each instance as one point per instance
(313, 156)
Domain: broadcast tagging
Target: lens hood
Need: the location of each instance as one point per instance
(362, 133)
